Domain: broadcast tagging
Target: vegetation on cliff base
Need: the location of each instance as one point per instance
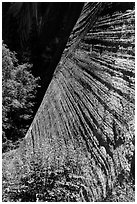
(53, 185)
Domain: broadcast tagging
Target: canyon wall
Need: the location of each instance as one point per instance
(86, 118)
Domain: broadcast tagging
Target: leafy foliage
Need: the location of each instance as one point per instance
(18, 93)
(122, 193)
(42, 184)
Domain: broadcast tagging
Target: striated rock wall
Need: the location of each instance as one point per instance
(86, 118)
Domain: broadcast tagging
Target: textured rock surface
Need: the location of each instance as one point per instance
(87, 113)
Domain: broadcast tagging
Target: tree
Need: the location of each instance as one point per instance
(18, 92)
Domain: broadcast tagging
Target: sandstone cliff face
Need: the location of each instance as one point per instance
(86, 118)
